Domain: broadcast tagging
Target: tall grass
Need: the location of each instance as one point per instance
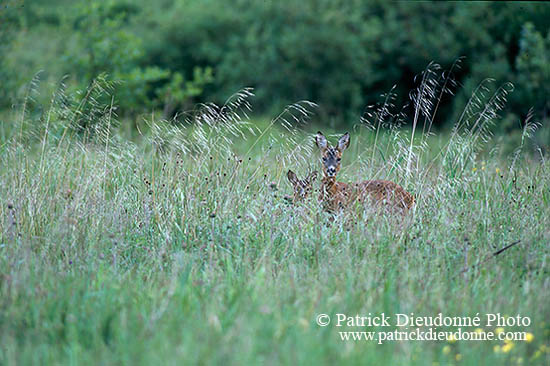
(179, 248)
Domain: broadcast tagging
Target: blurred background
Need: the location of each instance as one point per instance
(165, 56)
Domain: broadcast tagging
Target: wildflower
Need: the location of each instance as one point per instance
(529, 337)
(497, 170)
(496, 349)
(446, 350)
(499, 330)
(474, 169)
(451, 339)
(507, 346)
(479, 330)
(458, 357)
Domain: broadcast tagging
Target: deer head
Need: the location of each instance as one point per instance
(331, 155)
(302, 187)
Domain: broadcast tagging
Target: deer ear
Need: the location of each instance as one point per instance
(321, 140)
(343, 143)
(312, 176)
(292, 177)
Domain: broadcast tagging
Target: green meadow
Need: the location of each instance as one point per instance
(175, 245)
(147, 218)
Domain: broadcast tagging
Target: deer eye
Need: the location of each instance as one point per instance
(324, 158)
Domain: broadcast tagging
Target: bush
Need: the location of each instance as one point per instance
(102, 42)
(339, 54)
(342, 55)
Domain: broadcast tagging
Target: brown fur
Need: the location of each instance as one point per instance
(337, 196)
(302, 187)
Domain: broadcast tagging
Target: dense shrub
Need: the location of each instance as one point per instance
(340, 54)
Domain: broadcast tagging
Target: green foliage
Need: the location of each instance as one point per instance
(340, 54)
(100, 43)
(533, 64)
(178, 91)
(288, 51)
(10, 22)
(103, 43)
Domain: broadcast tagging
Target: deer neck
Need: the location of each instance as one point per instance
(328, 182)
(332, 200)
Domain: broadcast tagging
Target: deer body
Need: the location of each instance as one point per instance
(334, 195)
(337, 196)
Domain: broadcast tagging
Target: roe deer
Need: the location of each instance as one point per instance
(336, 196)
(302, 187)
